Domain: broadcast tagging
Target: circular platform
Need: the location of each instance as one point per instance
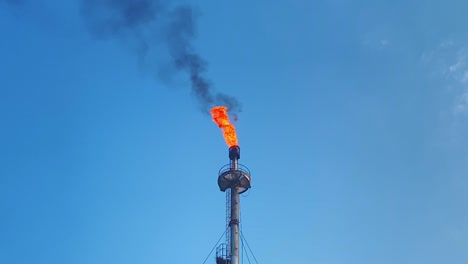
(230, 177)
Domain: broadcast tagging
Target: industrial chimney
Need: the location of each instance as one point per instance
(234, 179)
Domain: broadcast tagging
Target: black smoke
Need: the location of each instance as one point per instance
(147, 24)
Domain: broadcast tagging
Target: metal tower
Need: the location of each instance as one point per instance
(234, 179)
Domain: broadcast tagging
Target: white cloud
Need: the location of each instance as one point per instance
(384, 42)
(447, 43)
(456, 66)
(462, 103)
(459, 67)
(376, 39)
(450, 61)
(465, 77)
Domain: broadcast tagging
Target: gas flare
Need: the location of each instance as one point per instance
(221, 118)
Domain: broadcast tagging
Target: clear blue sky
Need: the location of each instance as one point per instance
(354, 126)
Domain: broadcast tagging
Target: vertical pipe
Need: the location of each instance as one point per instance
(234, 164)
(228, 220)
(234, 225)
(234, 155)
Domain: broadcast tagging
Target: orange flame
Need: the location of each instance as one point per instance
(221, 118)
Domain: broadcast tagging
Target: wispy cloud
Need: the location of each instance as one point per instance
(384, 42)
(461, 105)
(376, 38)
(459, 72)
(459, 67)
(450, 61)
(376, 44)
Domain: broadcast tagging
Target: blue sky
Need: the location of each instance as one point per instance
(354, 126)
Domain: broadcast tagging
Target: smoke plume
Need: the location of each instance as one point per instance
(153, 23)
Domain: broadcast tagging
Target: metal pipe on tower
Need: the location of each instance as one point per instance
(236, 179)
(234, 155)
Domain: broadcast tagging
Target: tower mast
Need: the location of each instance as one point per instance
(235, 178)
